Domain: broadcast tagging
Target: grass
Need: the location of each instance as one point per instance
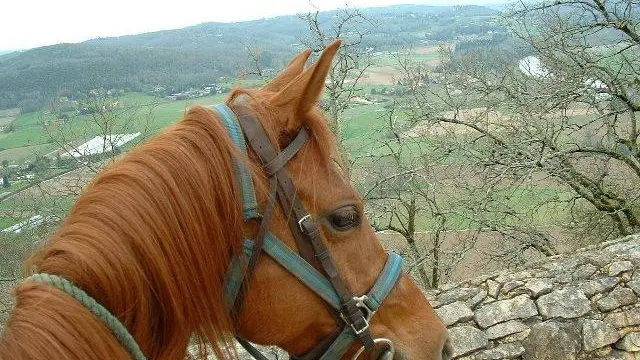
(548, 212)
(26, 136)
(362, 122)
(20, 154)
(391, 59)
(8, 115)
(35, 204)
(363, 131)
(146, 114)
(6, 221)
(28, 119)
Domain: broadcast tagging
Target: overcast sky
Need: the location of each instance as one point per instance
(31, 23)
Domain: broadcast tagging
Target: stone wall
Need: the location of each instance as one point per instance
(579, 306)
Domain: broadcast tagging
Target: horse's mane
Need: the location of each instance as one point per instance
(150, 239)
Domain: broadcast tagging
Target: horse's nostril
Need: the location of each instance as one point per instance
(447, 350)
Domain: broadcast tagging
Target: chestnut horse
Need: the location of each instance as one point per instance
(152, 238)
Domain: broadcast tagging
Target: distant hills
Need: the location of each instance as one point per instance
(194, 56)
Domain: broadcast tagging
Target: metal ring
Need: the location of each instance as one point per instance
(386, 341)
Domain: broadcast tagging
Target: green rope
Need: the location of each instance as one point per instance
(100, 311)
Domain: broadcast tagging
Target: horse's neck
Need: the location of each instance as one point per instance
(127, 270)
(150, 238)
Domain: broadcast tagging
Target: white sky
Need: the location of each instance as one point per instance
(31, 23)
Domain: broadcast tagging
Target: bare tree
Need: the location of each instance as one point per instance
(562, 119)
(255, 67)
(57, 179)
(103, 114)
(350, 64)
(406, 195)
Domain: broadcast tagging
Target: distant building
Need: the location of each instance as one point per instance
(98, 145)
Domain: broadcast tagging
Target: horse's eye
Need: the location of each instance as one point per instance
(345, 218)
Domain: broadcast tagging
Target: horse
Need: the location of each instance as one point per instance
(152, 239)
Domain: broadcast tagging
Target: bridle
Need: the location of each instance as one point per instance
(314, 266)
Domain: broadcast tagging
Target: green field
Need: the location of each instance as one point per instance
(364, 133)
(364, 130)
(35, 134)
(8, 115)
(22, 153)
(5, 222)
(32, 136)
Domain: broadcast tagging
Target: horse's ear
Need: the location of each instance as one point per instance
(294, 69)
(303, 92)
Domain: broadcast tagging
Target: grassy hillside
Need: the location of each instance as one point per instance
(198, 55)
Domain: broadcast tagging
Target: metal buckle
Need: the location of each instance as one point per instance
(364, 328)
(368, 314)
(304, 218)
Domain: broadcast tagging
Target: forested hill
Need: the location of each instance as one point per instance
(199, 55)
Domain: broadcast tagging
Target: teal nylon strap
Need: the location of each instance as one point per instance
(340, 345)
(235, 275)
(315, 281)
(386, 282)
(230, 122)
(309, 276)
(299, 267)
(116, 327)
(289, 260)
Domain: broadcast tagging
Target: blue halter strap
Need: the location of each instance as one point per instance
(295, 264)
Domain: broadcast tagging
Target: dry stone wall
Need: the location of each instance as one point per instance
(584, 305)
(579, 306)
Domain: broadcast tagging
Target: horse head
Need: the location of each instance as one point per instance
(146, 260)
(279, 309)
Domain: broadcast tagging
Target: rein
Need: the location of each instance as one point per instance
(314, 267)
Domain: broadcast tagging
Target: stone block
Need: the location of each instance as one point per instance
(493, 288)
(520, 307)
(476, 299)
(466, 339)
(596, 334)
(538, 287)
(618, 267)
(457, 294)
(565, 303)
(453, 313)
(635, 286)
(617, 298)
(551, 341)
(506, 328)
(597, 286)
(630, 342)
(585, 272)
(623, 319)
(502, 351)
